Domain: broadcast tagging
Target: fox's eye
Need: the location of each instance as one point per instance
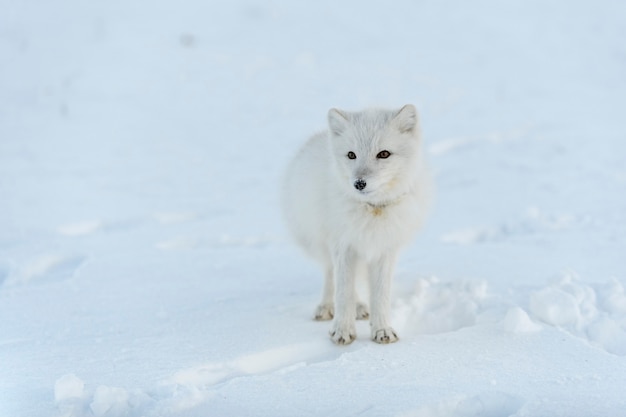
(383, 155)
(351, 155)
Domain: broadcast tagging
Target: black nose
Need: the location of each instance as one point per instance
(360, 184)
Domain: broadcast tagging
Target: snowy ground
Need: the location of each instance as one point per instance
(144, 267)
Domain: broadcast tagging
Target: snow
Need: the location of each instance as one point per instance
(518, 321)
(144, 266)
(68, 387)
(110, 401)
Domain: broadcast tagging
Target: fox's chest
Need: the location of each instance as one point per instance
(375, 211)
(377, 220)
(372, 230)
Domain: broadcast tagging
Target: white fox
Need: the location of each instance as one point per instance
(352, 197)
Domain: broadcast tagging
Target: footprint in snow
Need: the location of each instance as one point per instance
(191, 386)
(82, 228)
(167, 218)
(487, 404)
(4, 273)
(535, 221)
(90, 227)
(44, 269)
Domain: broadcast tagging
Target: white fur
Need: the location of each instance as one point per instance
(351, 231)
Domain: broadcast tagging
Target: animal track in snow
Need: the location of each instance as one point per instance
(595, 313)
(486, 404)
(192, 386)
(445, 146)
(187, 388)
(247, 241)
(45, 268)
(175, 217)
(279, 359)
(223, 241)
(178, 243)
(82, 228)
(5, 271)
(90, 227)
(534, 221)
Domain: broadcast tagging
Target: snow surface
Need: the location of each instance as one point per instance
(144, 266)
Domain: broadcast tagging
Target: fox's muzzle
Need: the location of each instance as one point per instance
(360, 184)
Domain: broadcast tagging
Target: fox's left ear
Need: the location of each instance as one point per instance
(406, 119)
(337, 121)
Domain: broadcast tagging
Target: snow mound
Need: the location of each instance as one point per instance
(558, 307)
(437, 307)
(68, 387)
(110, 402)
(518, 321)
(613, 297)
(609, 334)
(596, 313)
(74, 399)
(69, 395)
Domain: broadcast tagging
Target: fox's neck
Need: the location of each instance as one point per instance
(385, 204)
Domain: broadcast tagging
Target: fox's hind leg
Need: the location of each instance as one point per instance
(362, 310)
(326, 308)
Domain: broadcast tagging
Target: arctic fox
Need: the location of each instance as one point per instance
(352, 197)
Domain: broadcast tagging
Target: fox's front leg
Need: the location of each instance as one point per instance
(343, 331)
(380, 275)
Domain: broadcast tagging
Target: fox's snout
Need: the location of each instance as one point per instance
(360, 184)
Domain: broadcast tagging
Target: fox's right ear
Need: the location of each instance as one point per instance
(337, 121)
(406, 119)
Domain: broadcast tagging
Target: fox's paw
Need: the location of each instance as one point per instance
(343, 335)
(324, 312)
(362, 312)
(384, 336)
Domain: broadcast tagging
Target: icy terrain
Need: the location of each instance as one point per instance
(144, 266)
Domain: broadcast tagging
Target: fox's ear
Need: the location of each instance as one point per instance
(337, 121)
(406, 119)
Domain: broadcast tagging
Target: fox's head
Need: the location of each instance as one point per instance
(376, 152)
